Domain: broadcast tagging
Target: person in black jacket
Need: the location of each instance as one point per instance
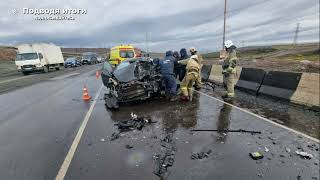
(176, 55)
(181, 69)
(166, 69)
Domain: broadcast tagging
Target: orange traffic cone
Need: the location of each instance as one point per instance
(85, 95)
(97, 74)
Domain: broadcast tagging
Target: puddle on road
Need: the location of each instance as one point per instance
(172, 114)
(293, 116)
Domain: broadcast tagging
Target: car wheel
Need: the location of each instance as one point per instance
(25, 73)
(45, 69)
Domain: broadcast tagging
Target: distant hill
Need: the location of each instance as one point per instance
(7, 53)
(82, 50)
(286, 57)
(282, 51)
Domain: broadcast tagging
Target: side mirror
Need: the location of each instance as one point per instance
(40, 56)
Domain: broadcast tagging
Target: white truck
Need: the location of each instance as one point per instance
(38, 57)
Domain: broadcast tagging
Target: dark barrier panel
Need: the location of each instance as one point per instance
(250, 79)
(205, 72)
(280, 84)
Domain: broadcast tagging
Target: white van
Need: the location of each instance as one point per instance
(38, 57)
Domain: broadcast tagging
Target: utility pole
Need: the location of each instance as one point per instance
(147, 43)
(296, 34)
(224, 24)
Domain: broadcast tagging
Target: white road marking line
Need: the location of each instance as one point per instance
(13, 79)
(64, 76)
(66, 163)
(260, 117)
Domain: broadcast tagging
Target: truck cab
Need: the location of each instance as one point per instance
(29, 62)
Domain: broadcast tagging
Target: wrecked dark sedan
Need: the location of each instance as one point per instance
(134, 79)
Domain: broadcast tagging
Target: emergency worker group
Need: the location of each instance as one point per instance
(187, 69)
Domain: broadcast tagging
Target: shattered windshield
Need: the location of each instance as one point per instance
(123, 65)
(125, 71)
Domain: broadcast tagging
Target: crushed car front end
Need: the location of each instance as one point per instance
(133, 80)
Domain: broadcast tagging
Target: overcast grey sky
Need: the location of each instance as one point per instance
(171, 24)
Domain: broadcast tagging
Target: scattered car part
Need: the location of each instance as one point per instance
(129, 146)
(201, 155)
(266, 149)
(114, 136)
(304, 154)
(228, 130)
(256, 155)
(134, 122)
(166, 159)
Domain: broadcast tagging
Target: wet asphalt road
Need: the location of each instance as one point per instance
(38, 124)
(17, 80)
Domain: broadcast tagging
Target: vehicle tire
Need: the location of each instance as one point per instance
(111, 102)
(45, 69)
(57, 68)
(25, 73)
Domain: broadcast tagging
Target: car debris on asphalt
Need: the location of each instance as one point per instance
(288, 150)
(304, 154)
(114, 136)
(134, 122)
(201, 155)
(129, 146)
(256, 155)
(227, 130)
(165, 159)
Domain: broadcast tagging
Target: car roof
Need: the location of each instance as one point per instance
(123, 47)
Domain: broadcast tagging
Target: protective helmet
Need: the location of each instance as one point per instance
(193, 50)
(228, 43)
